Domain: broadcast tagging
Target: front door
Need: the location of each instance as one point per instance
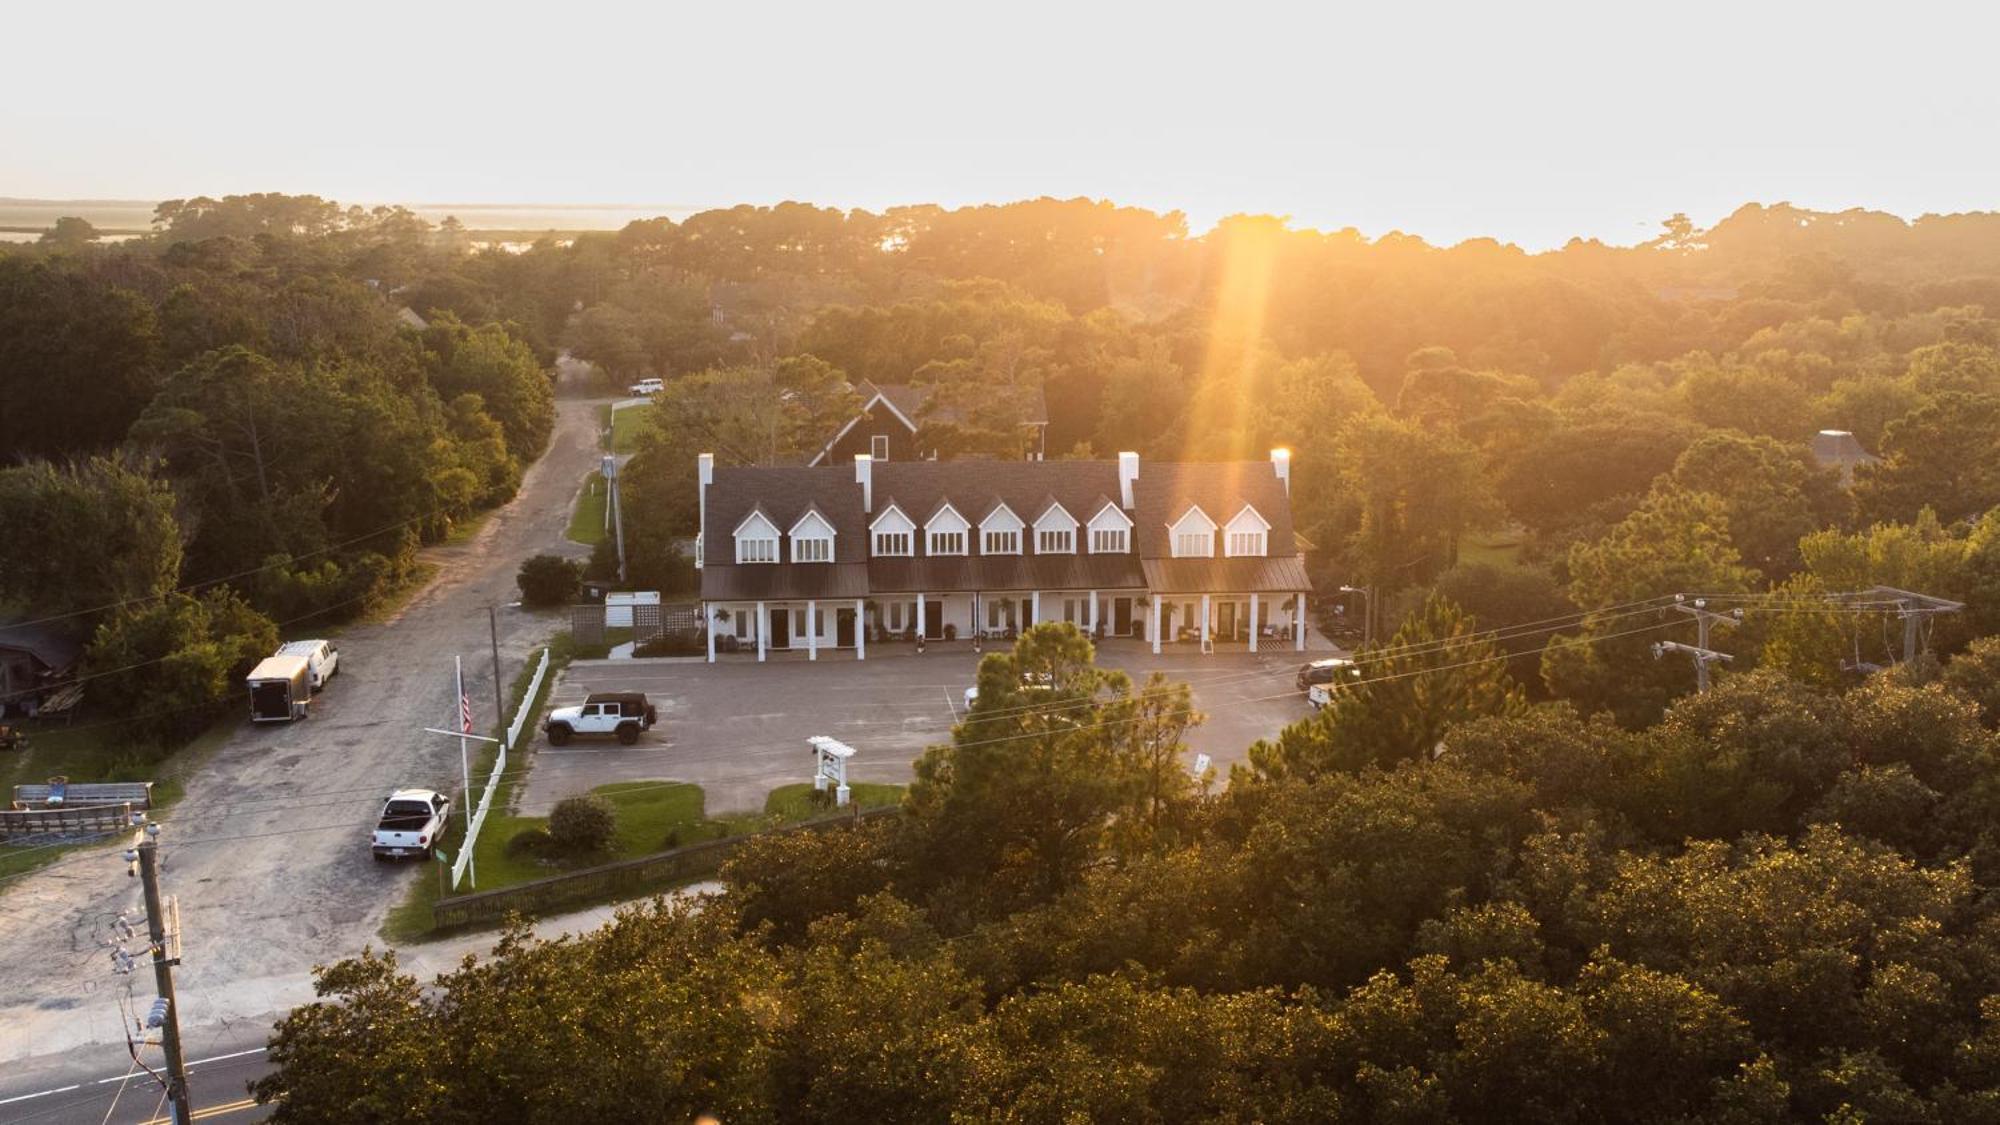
(1227, 626)
(843, 628)
(1121, 616)
(1027, 611)
(781, 628)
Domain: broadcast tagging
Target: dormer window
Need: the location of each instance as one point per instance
(756, 539)
(1055, 531)
(1248, 534)
(892, 542)
(946, 532)
(892, 534)
(1110, 531)
(812, 538)
(1000, 532)
(1193, 535)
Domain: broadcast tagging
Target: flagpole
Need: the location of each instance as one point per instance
(465, 771)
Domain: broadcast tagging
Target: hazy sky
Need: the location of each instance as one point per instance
(1527, 122)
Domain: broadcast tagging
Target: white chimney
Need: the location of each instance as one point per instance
(1128, 471)
(704, 474)
(1281, 461)
(864, 475)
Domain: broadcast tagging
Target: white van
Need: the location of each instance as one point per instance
(322, 658)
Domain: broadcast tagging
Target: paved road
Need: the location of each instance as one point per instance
(738, 728)
(266, 852)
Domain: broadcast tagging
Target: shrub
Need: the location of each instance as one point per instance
(678, 643)
(582, 824)
(549, 580)
(530, 841)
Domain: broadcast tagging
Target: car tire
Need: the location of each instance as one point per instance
(628, 733)
(559, 735)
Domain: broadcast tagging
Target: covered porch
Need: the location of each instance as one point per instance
(1254, 601)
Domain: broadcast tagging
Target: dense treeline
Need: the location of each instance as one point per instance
(241, 406)
(1768, 907)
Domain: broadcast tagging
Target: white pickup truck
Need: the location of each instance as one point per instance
(412, 821)
(622, 713)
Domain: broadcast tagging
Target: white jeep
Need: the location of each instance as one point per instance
(412, 820)
(622, 713)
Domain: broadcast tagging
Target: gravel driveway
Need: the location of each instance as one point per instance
(267, 851)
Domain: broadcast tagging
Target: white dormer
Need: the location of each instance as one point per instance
(945, 532)
(1193, 535)
(892, 532)
(1000, 532)
(1055, 531)
(812, 538)
(1110, 531)
(1248, 533)
(756, 539)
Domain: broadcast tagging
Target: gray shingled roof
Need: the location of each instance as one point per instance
(1005, 572)
(784, 495)
(56, 649)
(1166, 489)
(1276, 575)
(975, 486)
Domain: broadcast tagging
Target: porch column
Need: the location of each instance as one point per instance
(812, 629)
(1299, 621)
(1154, 602)
(708, 627)
(1205, 646)
(921, 631)
(1090, 618)
(763, 627)
(1035, 608)
(974, 635)
(1253, 622)
(860, 630)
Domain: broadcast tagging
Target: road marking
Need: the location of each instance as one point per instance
(211, 1111)
(121, 1077)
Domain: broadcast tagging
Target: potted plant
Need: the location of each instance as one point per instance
(950, 631)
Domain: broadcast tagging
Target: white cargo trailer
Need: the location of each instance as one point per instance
(280, 689)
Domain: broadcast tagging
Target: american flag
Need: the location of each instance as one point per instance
(464, 712)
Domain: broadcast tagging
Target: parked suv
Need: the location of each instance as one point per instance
(648, 387)
(621, 713)
(1325, 671)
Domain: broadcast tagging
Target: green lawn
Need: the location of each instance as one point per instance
(586, 524)
(91, 750)
(795, 802)
(625, 427)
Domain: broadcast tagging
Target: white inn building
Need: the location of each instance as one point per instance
(833, 557)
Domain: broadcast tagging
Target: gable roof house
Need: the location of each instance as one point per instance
(832, 556)
(1841, 451)
(893, 419)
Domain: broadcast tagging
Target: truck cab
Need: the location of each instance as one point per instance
(412, 820)
(623, 714)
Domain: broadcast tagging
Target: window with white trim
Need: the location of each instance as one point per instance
(1109, 541)
(1055, 542)
(947, 543)
(878, 447)
(812, 549)
(892, 542)
(1246, 543)
(1194, 545)
(1002, 543)
(758, 549)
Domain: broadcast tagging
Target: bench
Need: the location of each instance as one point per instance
(138, 794)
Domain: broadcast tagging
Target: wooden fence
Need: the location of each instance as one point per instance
(625, 879)
(64, 820)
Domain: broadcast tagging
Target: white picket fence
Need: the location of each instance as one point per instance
(514, 732)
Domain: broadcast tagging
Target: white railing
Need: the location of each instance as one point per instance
(514, 732)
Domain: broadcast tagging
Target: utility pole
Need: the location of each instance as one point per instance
(499, 689)
(163, 973)
(1913, 608)
(608, 469)
(1704, 617)
(1703, 657)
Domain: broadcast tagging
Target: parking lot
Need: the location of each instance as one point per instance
(739, 729)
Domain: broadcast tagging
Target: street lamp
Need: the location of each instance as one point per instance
(1367, 611)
